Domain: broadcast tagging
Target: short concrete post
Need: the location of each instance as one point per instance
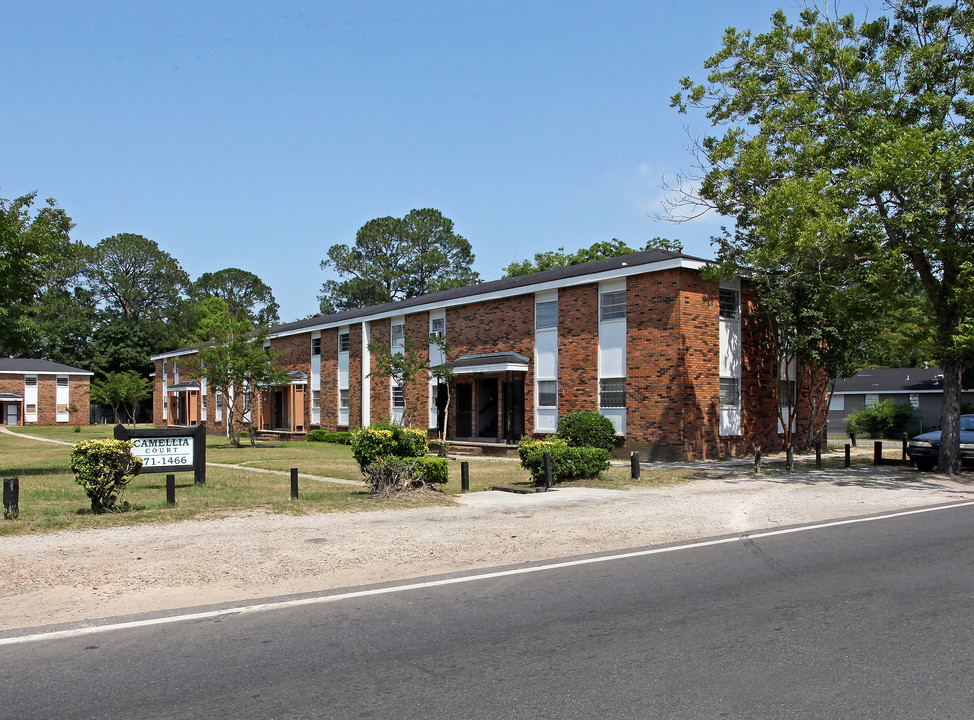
(790, 457)
(465, 476)
(11, 498)
(848, 455)
(294, 483)
(171, 490)
(547, 471)
(634, 465)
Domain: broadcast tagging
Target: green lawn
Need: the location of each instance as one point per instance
(51, 500)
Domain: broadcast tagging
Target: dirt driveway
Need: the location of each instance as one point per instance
(70, 577)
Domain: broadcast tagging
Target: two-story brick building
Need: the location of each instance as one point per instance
(41, 392)
(670, 357)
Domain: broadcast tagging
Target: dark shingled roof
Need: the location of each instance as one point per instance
(891, 380)
(646, 257)
(29, 365)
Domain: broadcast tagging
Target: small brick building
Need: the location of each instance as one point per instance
(41, 392)
(673, 359)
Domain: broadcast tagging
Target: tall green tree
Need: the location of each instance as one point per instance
(872, 120)
(136, 279)
(232, 359)
(246, 295)
(397, 258)
(552, 259)
(32, 241)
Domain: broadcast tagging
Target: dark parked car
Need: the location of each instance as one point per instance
(924, 449)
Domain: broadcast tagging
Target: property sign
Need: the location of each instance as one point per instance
(168, 449)
(169, 452)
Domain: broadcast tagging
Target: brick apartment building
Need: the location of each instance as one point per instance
(672, 359)
(41, 392)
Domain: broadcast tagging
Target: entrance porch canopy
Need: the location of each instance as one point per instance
(489, 363)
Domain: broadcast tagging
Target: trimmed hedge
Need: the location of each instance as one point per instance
(342, 438)
(587, 428)
(567, 463)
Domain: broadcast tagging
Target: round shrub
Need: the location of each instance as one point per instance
(587, 428)
(103, 468)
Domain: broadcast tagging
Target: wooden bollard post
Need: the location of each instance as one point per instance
(465, 476)
(757, 459)
(818, 455)
(294, 483)
(852, 439)
(848, 455)
(906, 440)
(878, 452)
(11, 498)
(634, 464)
(790, 457)
(171, 490)
(547, 471)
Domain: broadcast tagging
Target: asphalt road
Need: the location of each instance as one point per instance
(867, 620)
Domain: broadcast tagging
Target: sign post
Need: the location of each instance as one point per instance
(168, 449)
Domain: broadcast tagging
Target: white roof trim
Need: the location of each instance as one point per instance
(590, 279)
(672, 264)
(496, 367)
(43, 372)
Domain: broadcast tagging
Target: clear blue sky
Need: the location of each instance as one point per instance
(256, 135)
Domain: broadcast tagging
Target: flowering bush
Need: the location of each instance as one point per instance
(103, 468)
(387, 440)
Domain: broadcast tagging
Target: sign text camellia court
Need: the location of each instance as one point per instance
(168, 449)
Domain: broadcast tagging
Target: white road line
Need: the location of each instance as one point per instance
(319, 600)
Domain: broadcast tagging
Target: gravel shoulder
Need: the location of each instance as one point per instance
(72, 577)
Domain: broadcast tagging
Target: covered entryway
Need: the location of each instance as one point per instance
(184, 404)
(11, 406)
(282, 408)
(489, 390)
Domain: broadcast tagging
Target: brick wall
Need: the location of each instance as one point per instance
(329, 379)
(47, 398)
(578, 349)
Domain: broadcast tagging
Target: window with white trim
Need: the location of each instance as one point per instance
(730, 304)
(547, 393)
(343, 342)
(316, 346)
(612, 305)
(612, 392)
(343, 399)
(546, 314)
(730, 392)
(438, 327)
(398, 397)
(398, 334)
